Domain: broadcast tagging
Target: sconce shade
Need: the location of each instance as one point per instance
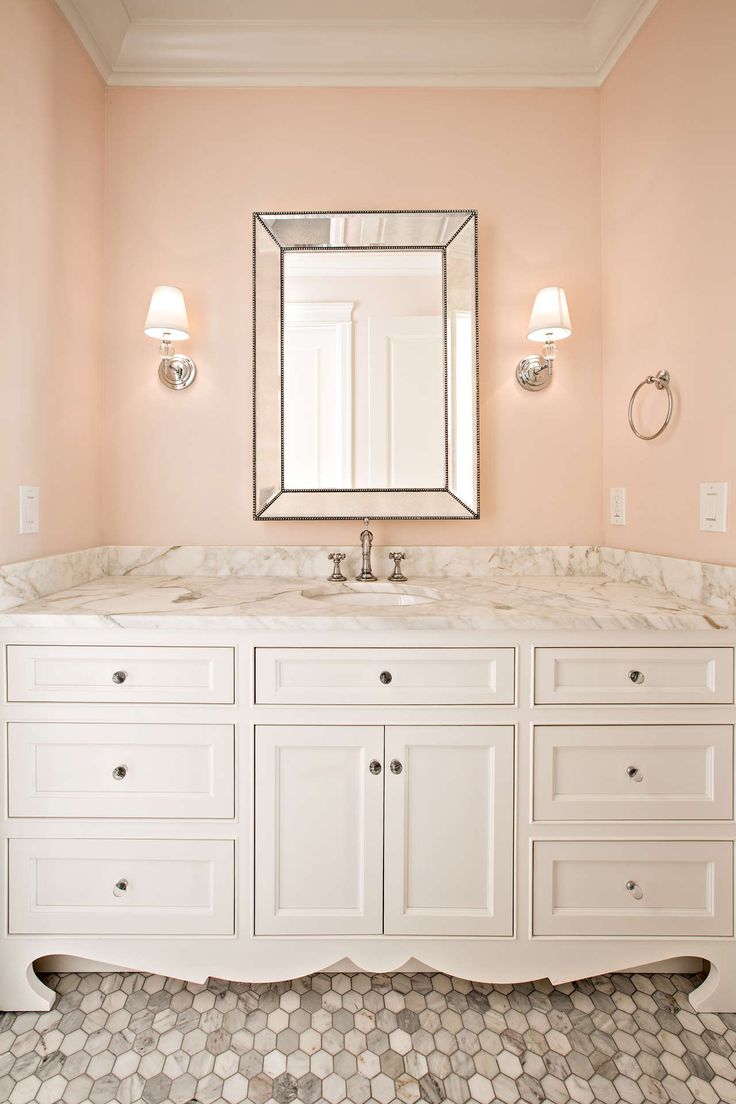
(167, 314)
(550, 318)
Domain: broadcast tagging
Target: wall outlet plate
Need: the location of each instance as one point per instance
(714, 507)
(618, 505)
(28, 509)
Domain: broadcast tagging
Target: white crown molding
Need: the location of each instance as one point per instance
(486, 53)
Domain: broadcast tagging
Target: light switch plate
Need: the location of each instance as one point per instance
(28, 507)
(618, 505)
(714, 507)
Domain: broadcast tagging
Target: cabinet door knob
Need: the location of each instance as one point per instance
(395, 766)
(636, 677)
(634, 774)
(120, 772)
(385, 677)
(119, 677)
(120, 888)
(374, 766)
(635, 890)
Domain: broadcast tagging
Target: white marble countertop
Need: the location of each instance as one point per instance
(484, 604)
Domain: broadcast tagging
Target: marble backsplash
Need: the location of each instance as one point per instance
(709, 584)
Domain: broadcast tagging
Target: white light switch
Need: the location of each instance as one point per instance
(713, 507)
(618, 505)
(28, 509)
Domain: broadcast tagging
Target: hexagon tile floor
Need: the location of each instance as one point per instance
(356, 1038)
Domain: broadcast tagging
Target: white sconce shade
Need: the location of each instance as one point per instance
(550, 318)
(167, 315)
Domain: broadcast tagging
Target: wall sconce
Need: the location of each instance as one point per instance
(549, 322)
(167, 321)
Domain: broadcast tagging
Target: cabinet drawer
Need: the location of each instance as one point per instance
(120, 770)
(64, 673)
(379, 676)
(121, 887)
(633, 772)
(633, 676)
(630, 887)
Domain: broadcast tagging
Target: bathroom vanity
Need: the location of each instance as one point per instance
(501, 778)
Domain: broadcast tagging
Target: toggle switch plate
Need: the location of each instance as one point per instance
(618, 505)
(714, 507)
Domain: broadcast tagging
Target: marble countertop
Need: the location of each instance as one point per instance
(485, 604)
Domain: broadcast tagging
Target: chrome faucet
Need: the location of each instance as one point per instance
(365, 575)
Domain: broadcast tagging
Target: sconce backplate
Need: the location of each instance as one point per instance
(534, 372)
(177, 371)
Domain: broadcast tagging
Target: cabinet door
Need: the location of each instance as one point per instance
(319, 830)
(449, 830)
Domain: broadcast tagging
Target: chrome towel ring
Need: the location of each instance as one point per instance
(662, 382)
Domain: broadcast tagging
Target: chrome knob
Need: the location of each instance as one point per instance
(635, 890)
(634, 774)
(120, 888)
(120, 772)
(374, 766)
(636, 677)
(385, 677)
(119, 677)
(395, 766)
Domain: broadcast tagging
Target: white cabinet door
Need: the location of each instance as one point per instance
(449, 830)
(319, 817)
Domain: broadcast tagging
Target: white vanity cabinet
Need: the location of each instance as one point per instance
(258, 803)
(406, 830)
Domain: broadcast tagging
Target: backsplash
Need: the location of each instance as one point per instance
(710, 584)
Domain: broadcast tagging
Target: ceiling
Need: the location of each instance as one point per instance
(464, 43)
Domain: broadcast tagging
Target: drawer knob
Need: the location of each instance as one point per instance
(119, 677)
(635, 890)
(374, 766)
(120, 772)
(395, 766)
(120, 888)
(634, 774)
(385, 677)
(636, 677)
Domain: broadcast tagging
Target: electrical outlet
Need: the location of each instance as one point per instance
(713, 507)
(618, 505)
(28, 510)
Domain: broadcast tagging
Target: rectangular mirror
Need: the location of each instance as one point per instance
(365, 365)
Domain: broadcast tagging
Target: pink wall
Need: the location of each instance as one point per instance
(669, 272)
(51, 202)
(185, 169)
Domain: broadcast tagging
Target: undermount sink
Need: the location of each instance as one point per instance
(371, 594)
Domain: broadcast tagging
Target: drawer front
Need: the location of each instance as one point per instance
(121, 887)
(633, 676)
(64, 673)
(627, 887)
(380, 676)
(633, 772)
(120, 770)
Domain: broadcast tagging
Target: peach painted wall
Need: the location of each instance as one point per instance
(669, 272)
(51, 205)
(185, 169)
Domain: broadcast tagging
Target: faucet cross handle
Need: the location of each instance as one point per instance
(337, 575)
(397, 576)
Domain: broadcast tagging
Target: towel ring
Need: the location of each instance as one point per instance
(662, 382)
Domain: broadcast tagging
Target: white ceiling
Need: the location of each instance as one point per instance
(465, 43)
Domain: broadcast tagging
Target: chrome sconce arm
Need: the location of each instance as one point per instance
(535, 372)
(175, 370)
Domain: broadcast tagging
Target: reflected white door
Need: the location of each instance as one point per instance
(406, 422)
(449, 830)
(319, 830)
(317, 395)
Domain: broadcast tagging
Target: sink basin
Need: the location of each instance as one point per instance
(371, 594)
